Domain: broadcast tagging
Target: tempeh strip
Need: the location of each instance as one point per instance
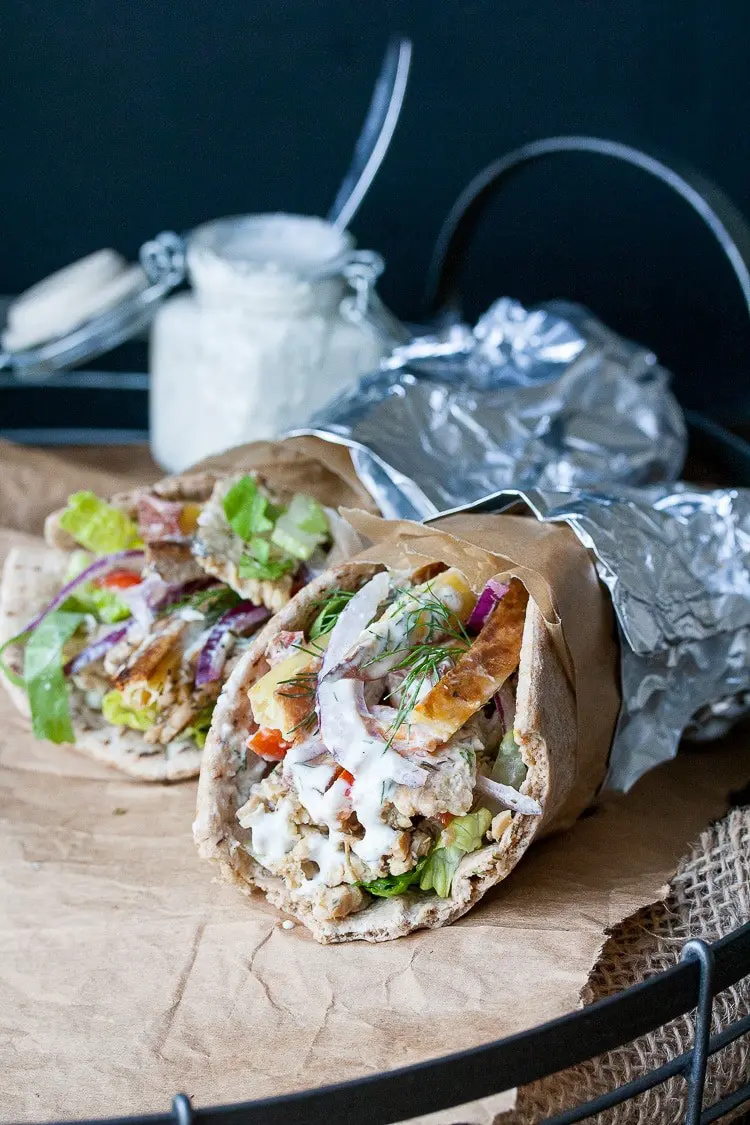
(482, 669)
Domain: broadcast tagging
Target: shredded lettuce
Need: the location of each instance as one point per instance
(391, 885)
(200, 726)
(247, 509)
(104, 604)
(329, 614)
(302, 528)
(509, 767)
(269, 571)
(462, 836)
(116, 711)
(277, 538)
(435, 872)
(98, 526)
(44, 679)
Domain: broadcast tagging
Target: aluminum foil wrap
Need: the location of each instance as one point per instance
(676, 561)
(546, 397)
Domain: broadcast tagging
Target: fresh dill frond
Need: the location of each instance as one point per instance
(331, 607)
(212, 603)
(423, 664)
(309, 720)
(305, 683)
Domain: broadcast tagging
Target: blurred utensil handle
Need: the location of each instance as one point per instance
(377, 131)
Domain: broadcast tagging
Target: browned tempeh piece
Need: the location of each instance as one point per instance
(482, 669)
(155, 658)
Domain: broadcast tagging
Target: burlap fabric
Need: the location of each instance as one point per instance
(709, 897)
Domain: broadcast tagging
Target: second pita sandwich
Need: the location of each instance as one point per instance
(119, 634)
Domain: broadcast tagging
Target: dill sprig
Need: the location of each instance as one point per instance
(305, 681)
(305, 684)
(425, 661)
(211, 603)
(330, 609)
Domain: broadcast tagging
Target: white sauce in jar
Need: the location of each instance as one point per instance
(260, 343)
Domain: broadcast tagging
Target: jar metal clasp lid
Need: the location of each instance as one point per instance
(163, 267)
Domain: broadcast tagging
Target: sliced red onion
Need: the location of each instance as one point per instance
(140, 599)
(174, 594)
(493, 592)
(354, 617)
(508, 797)
(421, 736)
(153, 595)
(404, 771)
(95, 651)
(213, 655)
(350, 733)
(408, 773)
(94, 570)
(505, 706)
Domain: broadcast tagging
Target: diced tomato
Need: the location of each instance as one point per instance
(268, 743)
(445, 818)
(118, 580)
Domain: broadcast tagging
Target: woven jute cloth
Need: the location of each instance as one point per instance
(709, 898)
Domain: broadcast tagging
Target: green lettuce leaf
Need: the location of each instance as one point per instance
(98, 526)
(462, 836)
(117, 712)
(439, 870)
(105, 605)
(509, 767)
(330, 612)
(5, 668)
(199, 728)
(44, 679)
(270, 570)
(391, 885)
(302, 528)
(247, 509)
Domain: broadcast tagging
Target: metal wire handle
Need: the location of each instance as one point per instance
(708, 201)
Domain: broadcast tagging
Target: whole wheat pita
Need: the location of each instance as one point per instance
(545, 726)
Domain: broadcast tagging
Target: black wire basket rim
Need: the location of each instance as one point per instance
(479, 1072)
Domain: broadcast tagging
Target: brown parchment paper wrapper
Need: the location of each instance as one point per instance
(127, 974)
(558, 573)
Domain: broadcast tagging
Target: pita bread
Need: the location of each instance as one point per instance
(547, 730)
(31, 578)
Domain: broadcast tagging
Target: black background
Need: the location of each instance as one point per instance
(123, 117)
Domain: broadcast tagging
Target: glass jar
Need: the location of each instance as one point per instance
(269, 333)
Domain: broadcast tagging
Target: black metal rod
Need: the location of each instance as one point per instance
(514, 1061)
(648, 1081)
(730, 1102)
(697, 950)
